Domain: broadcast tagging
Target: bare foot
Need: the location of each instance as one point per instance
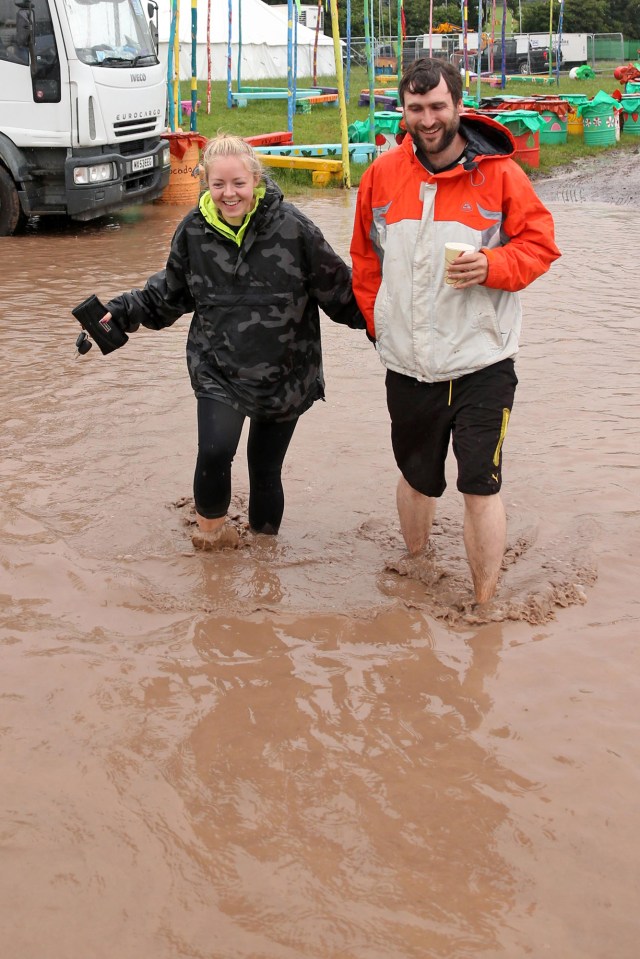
(422, 567)
(489, 612)
(225, 537)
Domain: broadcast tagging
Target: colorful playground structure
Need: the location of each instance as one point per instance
(358, 152)
(304, 98)
(299, 100)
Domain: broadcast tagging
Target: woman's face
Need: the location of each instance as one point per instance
(231, 186)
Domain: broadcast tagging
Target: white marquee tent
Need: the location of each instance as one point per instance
(264, 41)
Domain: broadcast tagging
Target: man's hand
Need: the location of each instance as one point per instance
(469, 269)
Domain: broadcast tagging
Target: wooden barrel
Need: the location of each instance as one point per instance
(185, 184)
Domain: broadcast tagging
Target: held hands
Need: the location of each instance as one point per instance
(469, 269)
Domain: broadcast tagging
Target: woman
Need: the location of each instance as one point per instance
(254, 271)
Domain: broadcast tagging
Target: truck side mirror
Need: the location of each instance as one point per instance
(24, 32)
(152, 10)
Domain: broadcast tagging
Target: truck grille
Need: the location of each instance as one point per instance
(136, 182)
(140, 125)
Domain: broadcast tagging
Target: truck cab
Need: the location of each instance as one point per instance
(82, 109)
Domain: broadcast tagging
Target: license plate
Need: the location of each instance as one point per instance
(142, 163)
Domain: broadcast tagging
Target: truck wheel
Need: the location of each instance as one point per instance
(524, 67)
(11, 216)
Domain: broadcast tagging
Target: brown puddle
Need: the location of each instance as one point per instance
(306, 748)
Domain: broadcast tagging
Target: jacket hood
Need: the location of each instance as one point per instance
(270, 203)
(273, 196)
(485, 138)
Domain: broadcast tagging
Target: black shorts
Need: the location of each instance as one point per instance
(474, 410)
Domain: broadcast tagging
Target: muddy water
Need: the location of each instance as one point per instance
(293, 750)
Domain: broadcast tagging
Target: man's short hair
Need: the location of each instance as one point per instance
(424, 74)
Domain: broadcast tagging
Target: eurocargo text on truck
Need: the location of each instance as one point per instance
(82, 109)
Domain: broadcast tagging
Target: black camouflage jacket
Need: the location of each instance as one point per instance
(254, 340)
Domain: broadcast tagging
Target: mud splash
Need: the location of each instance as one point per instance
(444, 576)
(556, 575)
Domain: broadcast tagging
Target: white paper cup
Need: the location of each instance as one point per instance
(451, 252)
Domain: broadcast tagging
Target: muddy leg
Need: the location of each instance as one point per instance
(416, 513)
(485, 536)
(214, 534)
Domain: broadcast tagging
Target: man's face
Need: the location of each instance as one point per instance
(432, 118)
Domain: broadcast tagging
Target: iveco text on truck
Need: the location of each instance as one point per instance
(82, 109)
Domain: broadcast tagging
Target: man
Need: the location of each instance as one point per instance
(448, 349)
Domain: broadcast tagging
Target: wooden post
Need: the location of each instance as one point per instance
(208, 56)
(291, 104)
(229, 48)
(369, 55)
(342, 103)
(193, 119)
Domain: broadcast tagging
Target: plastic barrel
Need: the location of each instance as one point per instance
(633, 86)
(527, 141)
(575, 123)
(575, 98)
(358, 131)
(184, 181)
(388, 130)
(387, 121)
(631, 113)
(599, 125)
(630, 125)
(554, 128)
(527, 147)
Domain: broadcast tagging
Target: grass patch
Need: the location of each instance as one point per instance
(322, 125)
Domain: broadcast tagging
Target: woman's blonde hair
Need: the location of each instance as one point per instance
(227, 145)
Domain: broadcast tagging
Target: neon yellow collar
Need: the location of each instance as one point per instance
(212, 215)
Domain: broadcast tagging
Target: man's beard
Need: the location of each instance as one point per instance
(447, 137)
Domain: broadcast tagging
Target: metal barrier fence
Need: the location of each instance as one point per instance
(601, 51)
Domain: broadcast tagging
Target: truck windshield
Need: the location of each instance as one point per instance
(111, 33)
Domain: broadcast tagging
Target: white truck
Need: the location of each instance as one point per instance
(575, 48)
(82, 109)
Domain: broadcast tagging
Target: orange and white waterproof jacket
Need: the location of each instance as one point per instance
(405, 215)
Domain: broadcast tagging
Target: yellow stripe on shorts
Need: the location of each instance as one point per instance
(503, 433)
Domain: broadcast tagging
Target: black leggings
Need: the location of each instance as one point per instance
(219, 429)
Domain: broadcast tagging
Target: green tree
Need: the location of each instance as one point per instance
(416, 13)
(625, 17)
(580, 16)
